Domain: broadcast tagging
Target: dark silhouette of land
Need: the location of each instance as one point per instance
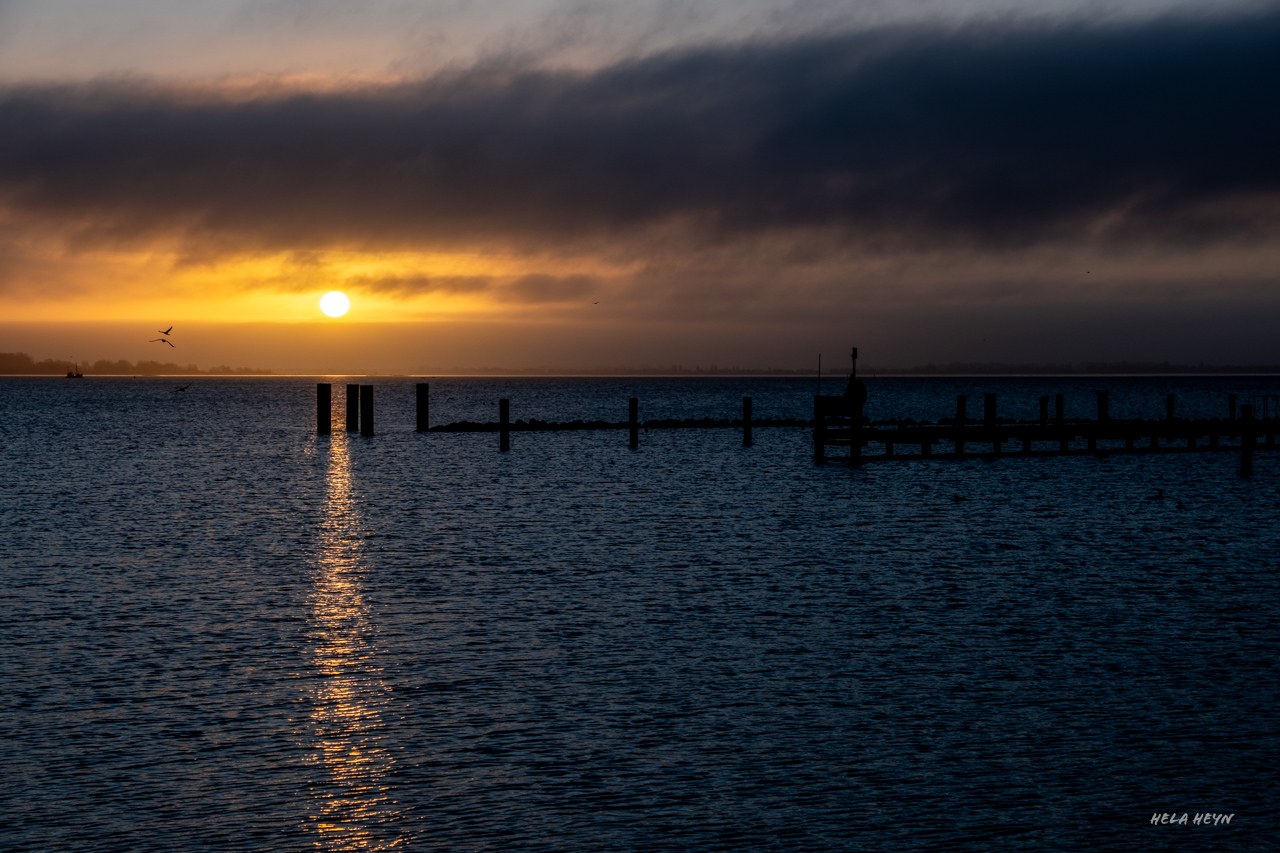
(19, 363)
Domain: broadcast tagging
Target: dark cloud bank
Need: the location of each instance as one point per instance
(982, 136)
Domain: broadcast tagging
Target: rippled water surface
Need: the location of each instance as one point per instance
(220, 631)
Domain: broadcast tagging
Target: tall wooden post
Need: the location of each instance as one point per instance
(855, 431)
(1246, 440)
(1104, 412)
(1231, 406)
(1044, 410)
(324, 408)
(424, 406)
(989, 421)
(504, 424)
(366, 410)
(353, 408)
(633, 421)
(746, 421)
(961, 400)
(1168, 406)
(1059, 416)
(819, 430)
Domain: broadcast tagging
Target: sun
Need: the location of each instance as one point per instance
(335, 303)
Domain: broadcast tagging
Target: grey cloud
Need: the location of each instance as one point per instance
(990, 136)
(546, 288)
(420, 285)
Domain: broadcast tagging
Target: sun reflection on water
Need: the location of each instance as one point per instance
(352, 805)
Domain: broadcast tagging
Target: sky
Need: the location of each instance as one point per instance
(511, 183)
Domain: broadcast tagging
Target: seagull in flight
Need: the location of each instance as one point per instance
(162, 340)
(167, 331)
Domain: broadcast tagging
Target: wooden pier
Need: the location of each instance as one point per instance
(838, 421)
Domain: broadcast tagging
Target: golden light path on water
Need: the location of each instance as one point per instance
(352, 805)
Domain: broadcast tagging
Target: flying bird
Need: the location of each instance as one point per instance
(162, 340)
(167, 331)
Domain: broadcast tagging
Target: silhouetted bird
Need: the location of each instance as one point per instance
(161, 340)
(167, 331)
(183, 388)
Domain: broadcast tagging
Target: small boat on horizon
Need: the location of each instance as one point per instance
(74, 373)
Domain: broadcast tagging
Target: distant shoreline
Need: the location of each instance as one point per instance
(21, 364)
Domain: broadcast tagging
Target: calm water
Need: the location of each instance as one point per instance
(219, 631)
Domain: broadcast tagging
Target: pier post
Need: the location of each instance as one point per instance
(353, 408)
(1246, 440)
(1026, 437)
(746, 421)
(1059, 417)
(819, 430)
(1168, 406)
(504, 424)
(1104, 410)
(633, 421)
(989, 421)
(424, 406)
(324, 408)
(926, 447)
(1044, 410)
(961, 400)
(366, 410)
(1231, 406)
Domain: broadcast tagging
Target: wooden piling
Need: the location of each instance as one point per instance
(819, 430)
(746, 421)
(424, 406)
(353, 408)
(1169, 407)
(961, 401)
(633, 421)
(1246, 440)
(989, 422)
(324, 408)
(504, 425)
(1059, 409)
(1044, 411)
(1104, 409)
(366, 410)
(1231, 406)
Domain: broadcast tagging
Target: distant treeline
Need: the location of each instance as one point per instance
(20, 363)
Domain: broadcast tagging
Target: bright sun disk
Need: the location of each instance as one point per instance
(335, 303)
